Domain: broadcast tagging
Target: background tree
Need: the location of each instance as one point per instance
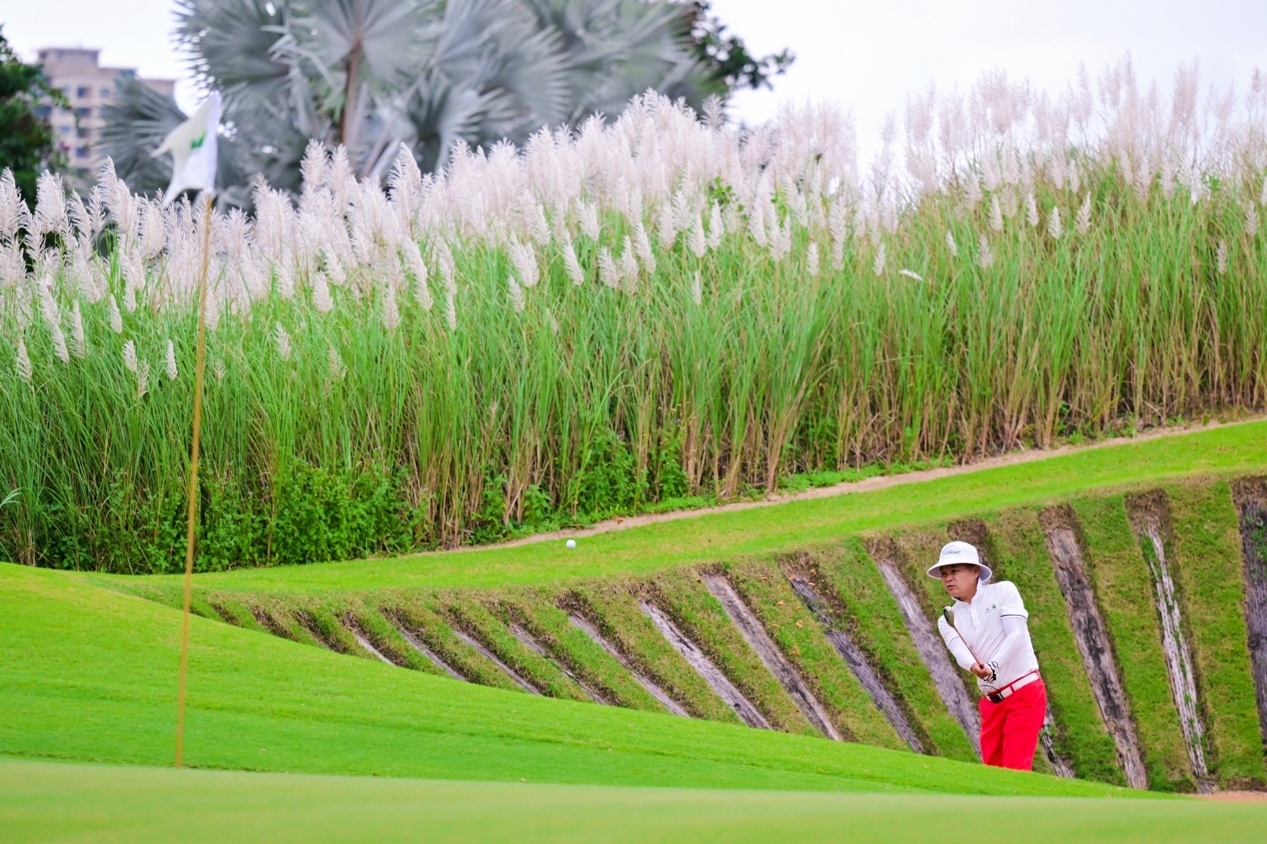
(374, 74)
(732, 65)
(28, 145)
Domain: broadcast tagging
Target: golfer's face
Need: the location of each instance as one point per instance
(960, 580)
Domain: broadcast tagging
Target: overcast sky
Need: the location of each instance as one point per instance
(867, 56)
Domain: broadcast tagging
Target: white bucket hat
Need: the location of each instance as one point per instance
(960, 553)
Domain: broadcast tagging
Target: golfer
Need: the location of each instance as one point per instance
(987, 632)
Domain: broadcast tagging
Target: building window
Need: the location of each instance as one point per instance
(83, 111)
(63, 130)
(83, 91)
(81, 152)
(81, 132)
(43, 112)
(105, 93)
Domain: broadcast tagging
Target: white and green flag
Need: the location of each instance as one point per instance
(193, 148)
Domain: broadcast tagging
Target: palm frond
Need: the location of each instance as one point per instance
(373, 74)
(135, 124)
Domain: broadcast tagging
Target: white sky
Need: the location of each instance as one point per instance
(868, 56)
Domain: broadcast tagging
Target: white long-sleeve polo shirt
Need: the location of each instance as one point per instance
(992, 627)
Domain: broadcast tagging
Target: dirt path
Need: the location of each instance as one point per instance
(851, 487)
(1236, 796)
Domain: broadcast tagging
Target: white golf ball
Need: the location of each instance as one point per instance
(571, 543)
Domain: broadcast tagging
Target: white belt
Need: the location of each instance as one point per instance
(1000, 695)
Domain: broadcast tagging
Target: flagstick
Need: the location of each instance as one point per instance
(193, 476)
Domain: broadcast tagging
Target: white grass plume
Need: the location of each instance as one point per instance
(607, 272)
(142, 379)
(418, 268)
(985, 255)
(337, 369)
(450, 310)
(115, 317)
(524, 259)
(571, 264)
(391, 311)
(281, 341)
(1082, 223)
(697, 240)
(59, 343)
(321, 299)
(629, 270)
(515, 293)
(23, 362)
(79, 341)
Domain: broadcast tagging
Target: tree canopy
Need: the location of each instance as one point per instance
(28, 145)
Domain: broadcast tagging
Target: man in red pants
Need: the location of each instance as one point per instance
(986, 630)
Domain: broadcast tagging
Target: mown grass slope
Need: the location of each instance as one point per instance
(89, 674)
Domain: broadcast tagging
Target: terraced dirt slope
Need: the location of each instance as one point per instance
(1138, 607)
(89, 674)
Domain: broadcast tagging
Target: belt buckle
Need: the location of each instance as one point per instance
(996, 697)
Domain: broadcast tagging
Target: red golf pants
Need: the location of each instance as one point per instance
(1009, 729)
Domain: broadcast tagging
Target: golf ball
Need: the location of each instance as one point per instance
(571, 543)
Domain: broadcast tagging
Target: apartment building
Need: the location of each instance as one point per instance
(89, 87)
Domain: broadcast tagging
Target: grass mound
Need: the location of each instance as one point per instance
(89, 675)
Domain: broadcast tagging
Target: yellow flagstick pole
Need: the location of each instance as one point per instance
(193, 477)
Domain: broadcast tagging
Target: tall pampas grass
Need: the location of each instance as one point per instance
(765, 305)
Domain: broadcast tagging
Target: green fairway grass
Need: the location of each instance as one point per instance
(89, 674)
(1224, 450)
(41, 801)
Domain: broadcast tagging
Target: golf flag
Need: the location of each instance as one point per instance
(193, 148)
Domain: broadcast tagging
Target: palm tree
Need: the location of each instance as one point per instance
(374, 74)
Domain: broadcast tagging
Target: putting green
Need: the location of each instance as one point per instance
(41, 801)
